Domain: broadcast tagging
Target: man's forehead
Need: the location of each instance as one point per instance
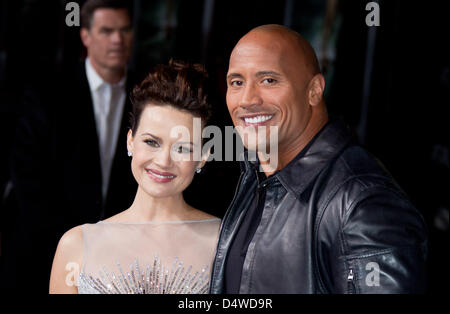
(258, 57)
(109, 16)
(271, 50)
(255, 51)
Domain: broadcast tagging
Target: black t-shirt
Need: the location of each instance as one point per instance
(238, 249)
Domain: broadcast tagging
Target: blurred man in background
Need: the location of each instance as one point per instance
(69, 163)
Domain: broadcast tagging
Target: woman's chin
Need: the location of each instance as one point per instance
(158, 191)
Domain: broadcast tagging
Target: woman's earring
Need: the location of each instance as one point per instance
(198, 170)
(129, 154)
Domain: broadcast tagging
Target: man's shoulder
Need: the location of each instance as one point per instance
(356, 172)
(356, 162)
(359, 189)
(74, 73)
(70, 87)
(133, 78)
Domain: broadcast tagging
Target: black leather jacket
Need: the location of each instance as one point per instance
(342, 226)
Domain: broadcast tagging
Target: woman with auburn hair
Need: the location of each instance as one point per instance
(160, 244)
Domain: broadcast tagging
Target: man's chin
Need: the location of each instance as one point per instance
(257, 147)
(255, 141)
(117, 65)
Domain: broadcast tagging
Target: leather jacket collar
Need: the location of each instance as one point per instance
(301, 172)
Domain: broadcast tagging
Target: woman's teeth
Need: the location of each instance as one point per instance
(161, 176)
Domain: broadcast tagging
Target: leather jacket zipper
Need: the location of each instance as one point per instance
(350, 283)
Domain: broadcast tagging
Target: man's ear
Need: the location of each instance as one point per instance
(130, 141)
(84, 35)
(316, 89)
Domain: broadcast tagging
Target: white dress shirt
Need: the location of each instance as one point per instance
(109, 101)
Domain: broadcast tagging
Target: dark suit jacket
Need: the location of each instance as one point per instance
(55, 166)
(76, 152)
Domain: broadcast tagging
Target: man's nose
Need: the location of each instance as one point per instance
(117, 37)
(250, 97)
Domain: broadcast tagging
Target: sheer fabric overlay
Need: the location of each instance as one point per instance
(151, 257)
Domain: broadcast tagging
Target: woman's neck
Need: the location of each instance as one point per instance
(148, 208)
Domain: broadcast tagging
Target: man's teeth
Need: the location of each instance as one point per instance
(160, 176)
(258, 119)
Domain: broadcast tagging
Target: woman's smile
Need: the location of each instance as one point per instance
(159, 176)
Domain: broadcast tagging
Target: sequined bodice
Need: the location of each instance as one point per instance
(156, 258)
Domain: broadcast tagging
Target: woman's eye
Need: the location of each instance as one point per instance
(151, 143)
(183, 150)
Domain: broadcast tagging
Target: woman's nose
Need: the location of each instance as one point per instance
(163, 158)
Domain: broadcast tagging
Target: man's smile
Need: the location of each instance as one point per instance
(256, 119)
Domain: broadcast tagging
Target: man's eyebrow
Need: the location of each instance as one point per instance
(264, 73)
(258, 74)
(106, 29)
(154, 136)
(234, 75)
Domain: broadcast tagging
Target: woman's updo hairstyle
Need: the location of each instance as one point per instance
(177, 84)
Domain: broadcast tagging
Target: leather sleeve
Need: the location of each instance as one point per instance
(383, 245)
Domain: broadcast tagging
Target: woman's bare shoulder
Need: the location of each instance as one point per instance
(71, 244)
(68, 257)
(72, 237)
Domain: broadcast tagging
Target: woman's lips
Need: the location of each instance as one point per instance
(161, 177)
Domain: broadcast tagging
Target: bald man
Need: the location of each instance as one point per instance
(326, 217)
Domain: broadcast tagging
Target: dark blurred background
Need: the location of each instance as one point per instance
(390, 83)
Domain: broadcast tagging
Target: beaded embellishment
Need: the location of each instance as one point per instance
(154, 279)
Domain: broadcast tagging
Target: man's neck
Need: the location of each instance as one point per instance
(286, 153)
(111, 76)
